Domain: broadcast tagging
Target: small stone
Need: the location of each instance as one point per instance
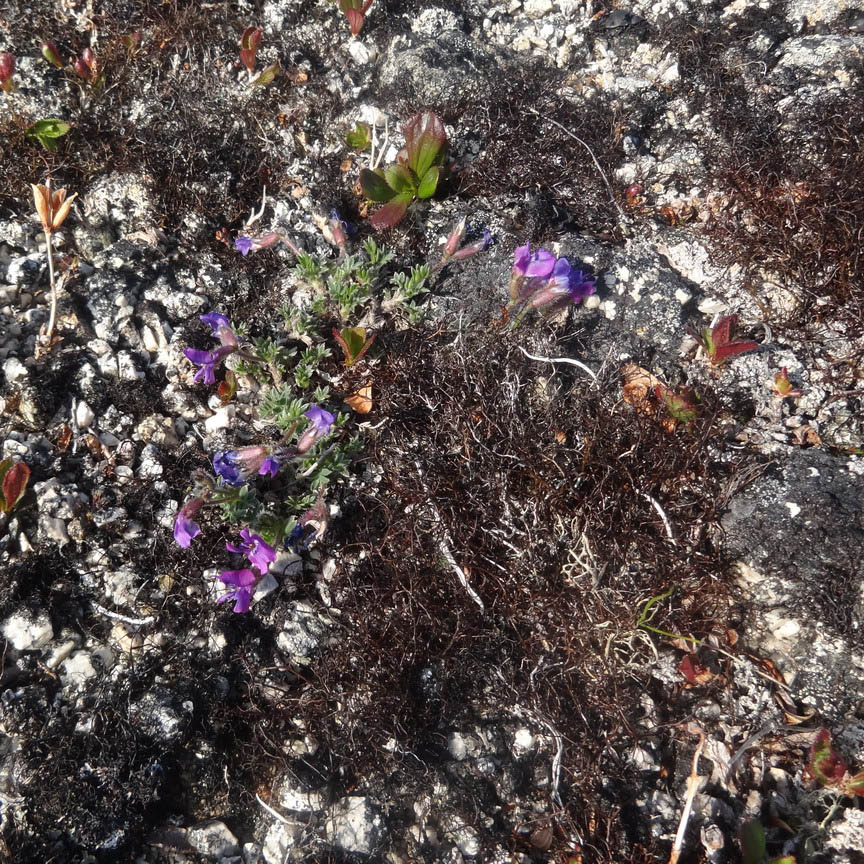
(27, 632)
(222, 419)
(538, 8)
(78, 670)
(457, 747)
(84, 415)
(213, 839)
(14, 370)
(353, 825)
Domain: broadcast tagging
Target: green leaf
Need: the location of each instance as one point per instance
(784, 859)
(425, 142)
(752, 838)
(375, 187)
(399, 177)
(353, 342)
(267, 76)
(360, 137)
(45, 131)
(429, 183)
(392, 213)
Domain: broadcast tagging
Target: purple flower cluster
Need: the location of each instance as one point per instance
(540, 279)
(260, 555)
(209, 360)
(235, 467)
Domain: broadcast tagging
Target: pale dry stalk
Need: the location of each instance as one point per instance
(52, 209)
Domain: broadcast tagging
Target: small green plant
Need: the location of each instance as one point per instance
(250, 41)
(682, 405)
(415, 174)
(719, 341)
(360, 137)
(47, 131)
(782, 386)
(51, 54)
(354, 343)
(830, 770)
(14, 477)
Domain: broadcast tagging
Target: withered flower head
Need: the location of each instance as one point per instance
(52, 207)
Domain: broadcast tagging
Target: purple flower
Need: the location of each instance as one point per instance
(207, 360)
(243, 245)
(536, 266)
(244, 587)
(222, 329)
(321, 422)
(270, 466)
(260, 554)
(236, 466)
(184, 528)
(565, 284)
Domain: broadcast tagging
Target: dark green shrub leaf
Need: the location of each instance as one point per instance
(375, 187)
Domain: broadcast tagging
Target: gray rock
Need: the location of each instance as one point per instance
(213, 839)
(354, 825)
(439, 71)
(846, 837)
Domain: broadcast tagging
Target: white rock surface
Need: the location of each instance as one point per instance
(26, 632)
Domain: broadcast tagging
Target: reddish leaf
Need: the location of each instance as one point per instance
(723, 329)
(392, 213)
(425, 141)
(356, 19)
(717, 341)
(14, 485)
(228, 387)
(724, 352)
(825, 766)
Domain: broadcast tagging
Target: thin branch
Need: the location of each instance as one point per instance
(135, 622)
(656, 505)
(572, 362)
(255, 215)
(692, 786)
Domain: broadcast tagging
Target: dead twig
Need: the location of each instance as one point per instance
(692, 786)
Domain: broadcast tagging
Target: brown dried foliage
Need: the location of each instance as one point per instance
(538, 498)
